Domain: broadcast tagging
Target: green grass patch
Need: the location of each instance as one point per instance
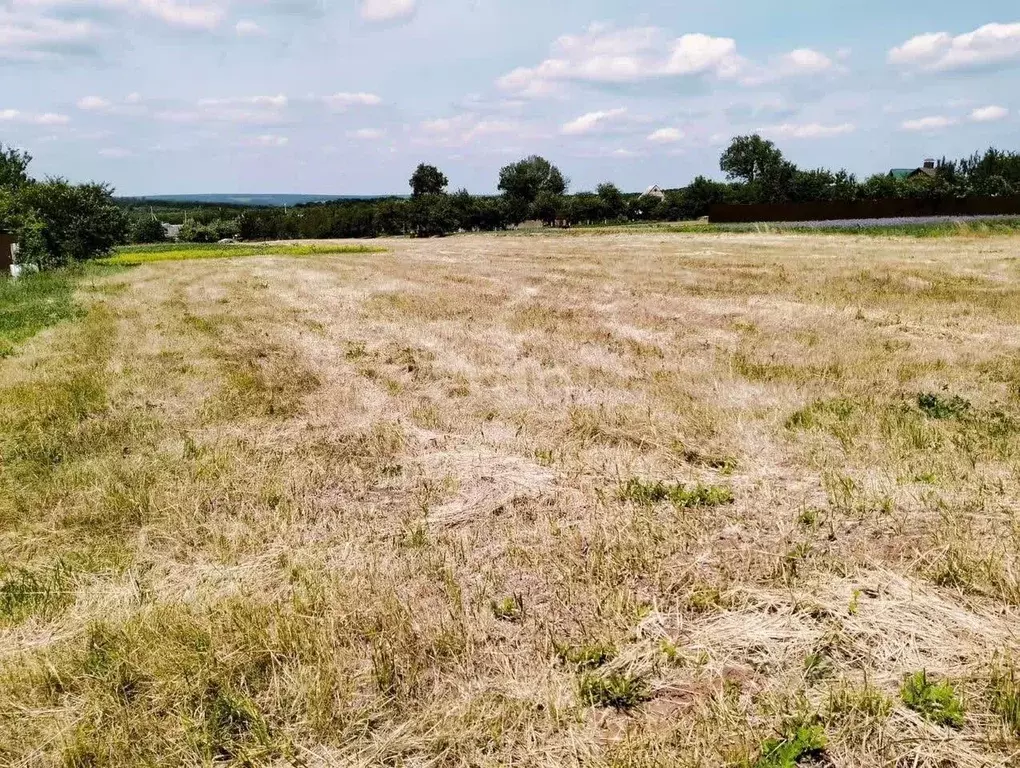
(25, 593)
(801, 744)
(939, 407)
(587, 656)
(619, 690)
(131, 255)
(935, 700)
(679, 495)
(33, 302)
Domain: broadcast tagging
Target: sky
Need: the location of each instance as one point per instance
(348, 96)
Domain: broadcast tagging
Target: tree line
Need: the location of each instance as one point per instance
(57, 222)
(535, 189)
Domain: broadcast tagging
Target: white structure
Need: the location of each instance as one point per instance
(654, 191)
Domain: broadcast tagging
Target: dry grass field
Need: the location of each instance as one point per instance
(620, 500)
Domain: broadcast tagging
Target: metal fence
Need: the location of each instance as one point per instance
(865, 209)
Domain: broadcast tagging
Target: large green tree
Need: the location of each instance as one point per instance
(13, 167)
(523, 181)
(748, 158)
(428, 180)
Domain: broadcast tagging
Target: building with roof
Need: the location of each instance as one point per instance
(928, 170)
(654, 191)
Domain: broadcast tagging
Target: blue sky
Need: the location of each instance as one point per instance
(347, 96)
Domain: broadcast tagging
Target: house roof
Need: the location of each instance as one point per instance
(907, 173)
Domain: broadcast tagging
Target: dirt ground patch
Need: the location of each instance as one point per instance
(620, 500)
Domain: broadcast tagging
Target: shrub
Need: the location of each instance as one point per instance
(148, 230)
(76, 222)
(645, 492)
(586, 656)
(934, 700)
(805, 742)
(620, 690)
(938, 407)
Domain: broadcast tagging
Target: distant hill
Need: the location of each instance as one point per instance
(261, 200)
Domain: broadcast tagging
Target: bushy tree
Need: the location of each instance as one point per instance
(147, 230)
(13, 167)
(432, 216)
(521, 183)
(78, 221)
(749, 157)
(427, 180)
(612, 200)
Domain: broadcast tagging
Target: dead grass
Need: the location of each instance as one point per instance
(626, 500)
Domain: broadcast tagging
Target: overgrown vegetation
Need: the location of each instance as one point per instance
(32, 303)
(652, 492)
(936, 700)
(144, 254)
(55, 222)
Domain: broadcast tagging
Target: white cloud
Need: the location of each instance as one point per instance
(253, 110)
(133, 98)
(465, 129)
(93, 103)
(666, 136)
(604, 54)
(248, 28)
(266, 140)
(366, 134)
(940, 51)
(989, 114)
(33, 118)
(591, 122)
(115, 152)
(808, 130)
(31, 37)
(267, 102)
(927, 124)
(187, 15)
(387, 10)
(803, 62)
(342, 101)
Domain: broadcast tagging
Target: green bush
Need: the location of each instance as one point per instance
(936, 701)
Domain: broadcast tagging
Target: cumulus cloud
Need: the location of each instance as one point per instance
(32, 38)
(940, 51)
(33, 118)
(255, 110)
(93, 103)
(266, 140)
(604, 54)
(342, 101)
(928, 124)
(366, 134)
(268, 102)
(248, 28)
(989, 114)
(173, 13)
(802, 62)
(592, 121)
(666, 136)
(808, 130)
(462, 130)
(387, 10)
